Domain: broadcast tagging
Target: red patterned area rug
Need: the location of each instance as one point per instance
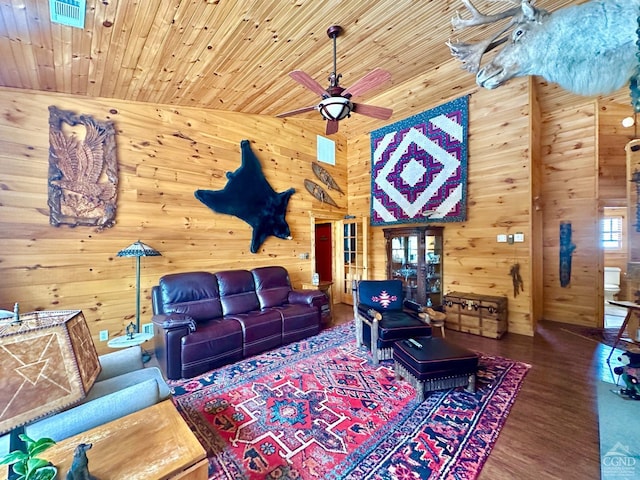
(319, 409)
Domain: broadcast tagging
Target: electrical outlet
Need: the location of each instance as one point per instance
(304, 256)
(518, 237)
(501, 238)
(147, 328)
(104, 335)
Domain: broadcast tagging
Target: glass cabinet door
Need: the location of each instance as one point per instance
(433, 272)
(404, 263)
(414, 255)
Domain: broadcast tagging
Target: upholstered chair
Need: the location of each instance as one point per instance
(383, 316)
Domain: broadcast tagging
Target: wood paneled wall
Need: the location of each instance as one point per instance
(164, 155)
(499, 194)
(570, 178)
(584, 170)
(533, 162)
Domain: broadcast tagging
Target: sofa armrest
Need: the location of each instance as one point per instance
(412, 306)
(168, 332)
(120, 362)
(126, 380)
(308, 297)
(96, 412)
(415, 309)
(369, 314)
(174, 321)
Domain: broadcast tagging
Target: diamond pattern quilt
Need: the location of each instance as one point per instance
(419, 167)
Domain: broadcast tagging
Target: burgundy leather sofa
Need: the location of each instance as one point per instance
(204, 320)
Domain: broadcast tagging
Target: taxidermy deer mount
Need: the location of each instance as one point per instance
(588, 49)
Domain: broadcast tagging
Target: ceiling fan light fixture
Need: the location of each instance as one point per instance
(335, 108)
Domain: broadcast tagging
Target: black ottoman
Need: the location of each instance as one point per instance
(432, 363)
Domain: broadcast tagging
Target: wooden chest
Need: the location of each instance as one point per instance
(483, 315)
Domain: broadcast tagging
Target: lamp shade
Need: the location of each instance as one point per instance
(48, 362)
(139, 249)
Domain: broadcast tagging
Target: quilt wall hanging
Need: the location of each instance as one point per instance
(419, 167)
(248, 196)
(83, 172)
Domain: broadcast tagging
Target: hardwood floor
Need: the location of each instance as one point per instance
(552, 430)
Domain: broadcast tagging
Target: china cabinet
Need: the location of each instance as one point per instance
(414, 255)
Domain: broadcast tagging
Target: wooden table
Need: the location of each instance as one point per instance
(151, 444)
(325, 287)
(632, 326)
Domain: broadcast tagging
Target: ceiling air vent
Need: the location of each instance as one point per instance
(68, 12)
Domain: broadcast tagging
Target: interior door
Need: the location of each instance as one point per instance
(352, 256)
(324, 252)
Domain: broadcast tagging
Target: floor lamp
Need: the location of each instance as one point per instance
(137, 250)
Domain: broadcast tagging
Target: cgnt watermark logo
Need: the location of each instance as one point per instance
(620, 463)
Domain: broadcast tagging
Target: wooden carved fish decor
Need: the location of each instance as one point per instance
(319, 193)
(325, 177)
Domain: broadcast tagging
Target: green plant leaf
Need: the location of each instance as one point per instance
(36, 463)
(26, 439)
(40, 446)
(20, 468)
(15, 456)
(44, 473)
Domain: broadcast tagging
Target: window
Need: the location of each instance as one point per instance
(612, 233)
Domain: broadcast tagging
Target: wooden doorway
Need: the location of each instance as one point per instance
(346, 255)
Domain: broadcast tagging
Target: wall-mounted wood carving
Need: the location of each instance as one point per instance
(566, 251)
(83, 172)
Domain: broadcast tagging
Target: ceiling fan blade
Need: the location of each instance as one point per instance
(372, 111)
(371, 80)
(332, 127)
(305, 80)
(297, 111)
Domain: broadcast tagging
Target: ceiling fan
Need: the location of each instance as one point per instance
(336, 101)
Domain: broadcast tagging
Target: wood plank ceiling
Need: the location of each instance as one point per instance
(228, 54)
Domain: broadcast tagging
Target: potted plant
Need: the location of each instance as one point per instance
(26, 465)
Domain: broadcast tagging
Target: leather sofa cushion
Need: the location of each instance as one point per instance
(214, 344)
(193, 293)
(272, 286)
(298, 321)
(261, 330)
(237, 292)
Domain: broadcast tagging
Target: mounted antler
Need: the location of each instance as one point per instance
(470, 54)
(478, 18)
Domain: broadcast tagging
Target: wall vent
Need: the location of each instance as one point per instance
(68, 12)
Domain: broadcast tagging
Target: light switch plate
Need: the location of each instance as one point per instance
(518, 237)
(104, 335)
(502, 238)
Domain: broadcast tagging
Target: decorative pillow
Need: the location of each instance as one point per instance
(381, 295)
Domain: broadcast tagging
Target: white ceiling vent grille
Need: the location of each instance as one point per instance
(68, 12)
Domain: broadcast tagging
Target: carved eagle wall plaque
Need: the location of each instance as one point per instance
(83, 173)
